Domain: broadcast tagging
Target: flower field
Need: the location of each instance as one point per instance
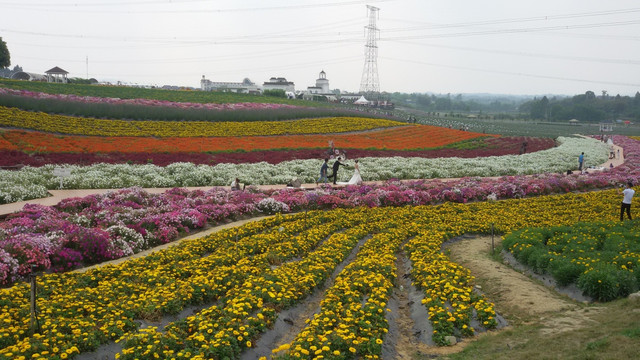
(403, 138)
(94, 229)
(249, 274)
(144, 102)
(335, 257)
(125, 92)
(479, 147)
(61, 124)
(104, 176)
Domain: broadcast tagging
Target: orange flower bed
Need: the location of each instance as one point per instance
(402, 138)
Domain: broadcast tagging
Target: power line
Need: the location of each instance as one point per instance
(513, 20)
(342, 60)
(216, 58)
(48, 7)
(266, 40)
(528, 54)
(513, 73)
(513, 31)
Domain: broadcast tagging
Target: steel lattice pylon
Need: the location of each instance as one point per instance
(369, 82)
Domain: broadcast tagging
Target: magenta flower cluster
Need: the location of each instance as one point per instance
(81, 231)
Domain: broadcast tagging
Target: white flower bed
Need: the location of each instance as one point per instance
(29, 182)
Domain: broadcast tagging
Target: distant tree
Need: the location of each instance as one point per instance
(275, 93)
(539, 108)
(5, 57)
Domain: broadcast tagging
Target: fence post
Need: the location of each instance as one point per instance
(492, 243)
(32, 323)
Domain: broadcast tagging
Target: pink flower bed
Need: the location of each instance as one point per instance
(81, 231)
(146, 102)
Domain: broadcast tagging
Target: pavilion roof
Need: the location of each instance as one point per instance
(56, 70)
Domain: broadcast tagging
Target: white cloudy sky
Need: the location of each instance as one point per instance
(456, 46)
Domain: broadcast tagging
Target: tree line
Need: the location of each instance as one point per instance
(586, 107)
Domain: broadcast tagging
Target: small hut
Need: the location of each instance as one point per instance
(574, 121)
(57, 74)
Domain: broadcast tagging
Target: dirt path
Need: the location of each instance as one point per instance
(516, 295)
(516, 290)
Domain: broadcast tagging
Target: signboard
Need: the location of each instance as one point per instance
(61, 173)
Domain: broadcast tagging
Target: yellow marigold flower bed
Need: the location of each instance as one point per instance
(246, 275)
(16, 118)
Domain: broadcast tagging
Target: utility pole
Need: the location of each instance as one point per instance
(87, 67)
(369, 82)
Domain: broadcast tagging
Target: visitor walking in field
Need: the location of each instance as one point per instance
(627, 193)
(580, 161)
(323, 171)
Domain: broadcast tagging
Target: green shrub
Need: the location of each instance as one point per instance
(565, 272)
(608, 248)
(600, 283)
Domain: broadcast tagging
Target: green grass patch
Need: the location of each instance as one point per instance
(633, 333)
(126, 92)
(611, 332)
(164, 113)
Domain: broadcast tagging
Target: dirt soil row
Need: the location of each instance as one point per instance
(519, 297)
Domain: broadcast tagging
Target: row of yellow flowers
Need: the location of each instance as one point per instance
(248, 272)
(227, 330)
(16, 118)
(83, 310)
(352, 320)
(449, 295)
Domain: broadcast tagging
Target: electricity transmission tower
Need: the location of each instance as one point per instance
(369, 82)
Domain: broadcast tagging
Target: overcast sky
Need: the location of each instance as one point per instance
(453, 46)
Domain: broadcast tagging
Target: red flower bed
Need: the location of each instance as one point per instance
(489, 147)
(412, 137)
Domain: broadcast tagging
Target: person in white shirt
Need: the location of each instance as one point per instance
(627, 193)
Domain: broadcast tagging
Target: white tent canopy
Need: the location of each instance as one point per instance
(361, 101)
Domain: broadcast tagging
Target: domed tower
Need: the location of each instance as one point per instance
(323, 83)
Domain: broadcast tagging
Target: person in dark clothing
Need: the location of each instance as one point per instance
(627, 194)
(336, 166)
(323, 171)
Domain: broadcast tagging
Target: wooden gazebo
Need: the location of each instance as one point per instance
(56, 74)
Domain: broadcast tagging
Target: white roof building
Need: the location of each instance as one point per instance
(244, 87)
(279, 83)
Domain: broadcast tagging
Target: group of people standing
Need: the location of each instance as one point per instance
(356, 179)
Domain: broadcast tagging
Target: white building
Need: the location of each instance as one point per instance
(244, 87)
(322, 85)
(321, 90)
(279, 83)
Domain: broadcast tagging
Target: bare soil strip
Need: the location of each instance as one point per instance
(409, 327)
(517, 295)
